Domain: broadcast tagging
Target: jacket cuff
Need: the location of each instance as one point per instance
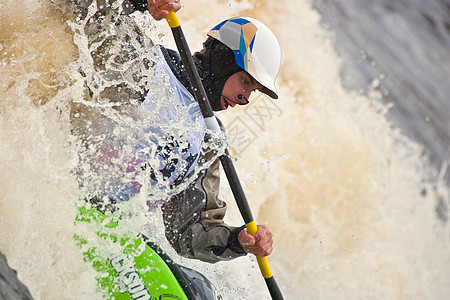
(233, 242)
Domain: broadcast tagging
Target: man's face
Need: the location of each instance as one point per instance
(237, 89)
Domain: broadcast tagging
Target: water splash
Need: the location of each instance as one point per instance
(348, 197)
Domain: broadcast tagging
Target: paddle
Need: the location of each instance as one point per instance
(227, 163)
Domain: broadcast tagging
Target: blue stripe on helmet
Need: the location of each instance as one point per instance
(218, 26)
(239, 59)
(240, 21)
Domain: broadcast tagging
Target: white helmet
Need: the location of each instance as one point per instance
(255, 48)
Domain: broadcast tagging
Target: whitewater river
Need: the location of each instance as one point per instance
(348, 168)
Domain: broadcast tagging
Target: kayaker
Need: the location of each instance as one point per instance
(194, 218)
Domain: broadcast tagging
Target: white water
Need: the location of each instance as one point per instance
(347, 196)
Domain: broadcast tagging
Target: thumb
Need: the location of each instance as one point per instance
(246, 238)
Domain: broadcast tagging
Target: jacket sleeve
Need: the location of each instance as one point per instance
(194, 221)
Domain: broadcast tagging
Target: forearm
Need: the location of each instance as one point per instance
(218, 244)
(194, 222)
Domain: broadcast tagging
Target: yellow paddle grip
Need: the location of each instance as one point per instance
(172, 19)
(262, 261)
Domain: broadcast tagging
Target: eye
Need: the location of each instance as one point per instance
(246, 81)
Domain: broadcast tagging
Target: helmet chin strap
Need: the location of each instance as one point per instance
(240, 97)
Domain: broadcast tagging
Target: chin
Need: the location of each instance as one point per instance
(216, 105)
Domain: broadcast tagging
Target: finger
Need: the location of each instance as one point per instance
(264, 250)
(263, 235)
(246, 241)
(159, 9)
(260, 252)
(158, 3)
(264, 243)
(247, 238)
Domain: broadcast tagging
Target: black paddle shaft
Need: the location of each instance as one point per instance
(188, 62)
(236, 187)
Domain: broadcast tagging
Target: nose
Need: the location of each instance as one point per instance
(245, 95)
(242, 100)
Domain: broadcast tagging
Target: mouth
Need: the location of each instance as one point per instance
(224, 103)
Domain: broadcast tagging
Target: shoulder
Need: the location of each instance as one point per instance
(173, 59)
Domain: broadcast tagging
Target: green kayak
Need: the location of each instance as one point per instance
(139, 269)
